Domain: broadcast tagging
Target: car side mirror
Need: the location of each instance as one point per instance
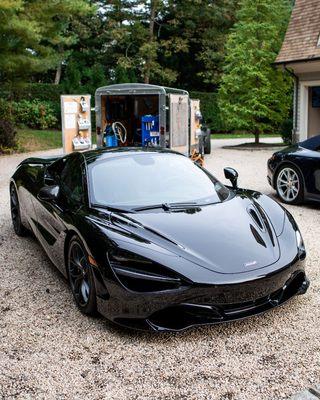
(49, 193)
(232, 175)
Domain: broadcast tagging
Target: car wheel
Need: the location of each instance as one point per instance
(207, 144)
(289, 185)
(201, 145)
(81, 278)
(18, 227)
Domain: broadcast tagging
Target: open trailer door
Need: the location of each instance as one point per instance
(195, 124)
(179, 123)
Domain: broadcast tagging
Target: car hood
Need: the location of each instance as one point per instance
(230, 237)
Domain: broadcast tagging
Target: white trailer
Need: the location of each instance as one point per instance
(134, 114)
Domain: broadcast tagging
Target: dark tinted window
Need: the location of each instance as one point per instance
(142, 179)
(67, 173)
(53, 172)
(312, 143)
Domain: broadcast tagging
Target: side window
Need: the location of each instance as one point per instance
(53, 172)
(67, 173)
(71, 182)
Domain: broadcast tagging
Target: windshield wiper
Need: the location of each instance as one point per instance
(167, 206)
(150, 207)
(179, 206)
(114, 209)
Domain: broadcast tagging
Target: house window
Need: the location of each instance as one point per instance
(316, 97)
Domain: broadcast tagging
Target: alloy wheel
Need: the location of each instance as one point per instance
(79, 274)
(288, 184)
(15, 212)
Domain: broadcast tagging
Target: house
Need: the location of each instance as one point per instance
(300, 55)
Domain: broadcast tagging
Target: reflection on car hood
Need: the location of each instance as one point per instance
(230, 237)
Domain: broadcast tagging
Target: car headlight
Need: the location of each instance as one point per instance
(141, 274)
(299, 239)
(300, 244)
(273, 157)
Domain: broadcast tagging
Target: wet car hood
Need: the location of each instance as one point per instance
(230, 237)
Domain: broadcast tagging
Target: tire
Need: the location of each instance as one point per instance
(201, 145)
(18, 226)
(207, 144)
(289, 185)
(81, 278)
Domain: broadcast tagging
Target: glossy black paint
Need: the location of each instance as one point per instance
(305, 156)
(232, 175)
(214, 263)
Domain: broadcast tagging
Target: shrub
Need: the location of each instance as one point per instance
(7, 135)
(6, 112)
(35, 114)
(286, 131)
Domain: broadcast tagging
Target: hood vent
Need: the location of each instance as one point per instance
(257, 236)
(258, 215)
(256, 218)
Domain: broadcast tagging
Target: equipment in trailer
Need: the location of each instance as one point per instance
(142, 115)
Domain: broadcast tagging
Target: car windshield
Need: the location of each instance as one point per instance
(145, 179)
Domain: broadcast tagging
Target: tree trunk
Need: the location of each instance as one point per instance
(58, 74)
(153, 7)
(256, 137)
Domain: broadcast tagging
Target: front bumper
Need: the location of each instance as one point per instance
(177, 310)
(271, 168)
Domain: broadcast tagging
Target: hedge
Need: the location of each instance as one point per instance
(49, 94)
(33, 91)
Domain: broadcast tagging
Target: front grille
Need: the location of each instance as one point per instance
(185, 315)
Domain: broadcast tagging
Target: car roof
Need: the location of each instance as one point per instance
(105, 152)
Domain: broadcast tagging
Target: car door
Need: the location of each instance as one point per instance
(315, 182)
(27, 184)
(54, 217)
(308, 161)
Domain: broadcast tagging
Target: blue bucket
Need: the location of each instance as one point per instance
(111, 141)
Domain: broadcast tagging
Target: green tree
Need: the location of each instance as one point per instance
(35, 35)
(20, 48)
(134, 43)
(84, 69)
(254, 96)
(194, 34)
(154, 41)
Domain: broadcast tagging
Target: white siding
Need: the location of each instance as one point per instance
(296, 111)
(310, 79)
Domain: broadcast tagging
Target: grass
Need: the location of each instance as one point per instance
(241, 135)
(36, 140)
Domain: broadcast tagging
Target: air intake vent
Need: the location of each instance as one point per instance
(266, 223)
(256, 218)
(257, 236)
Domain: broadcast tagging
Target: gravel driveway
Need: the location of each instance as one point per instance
(48, 350)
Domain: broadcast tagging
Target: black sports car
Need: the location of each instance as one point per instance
(294, 172)
(153, 241)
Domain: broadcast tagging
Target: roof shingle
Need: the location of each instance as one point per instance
(301, 40)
